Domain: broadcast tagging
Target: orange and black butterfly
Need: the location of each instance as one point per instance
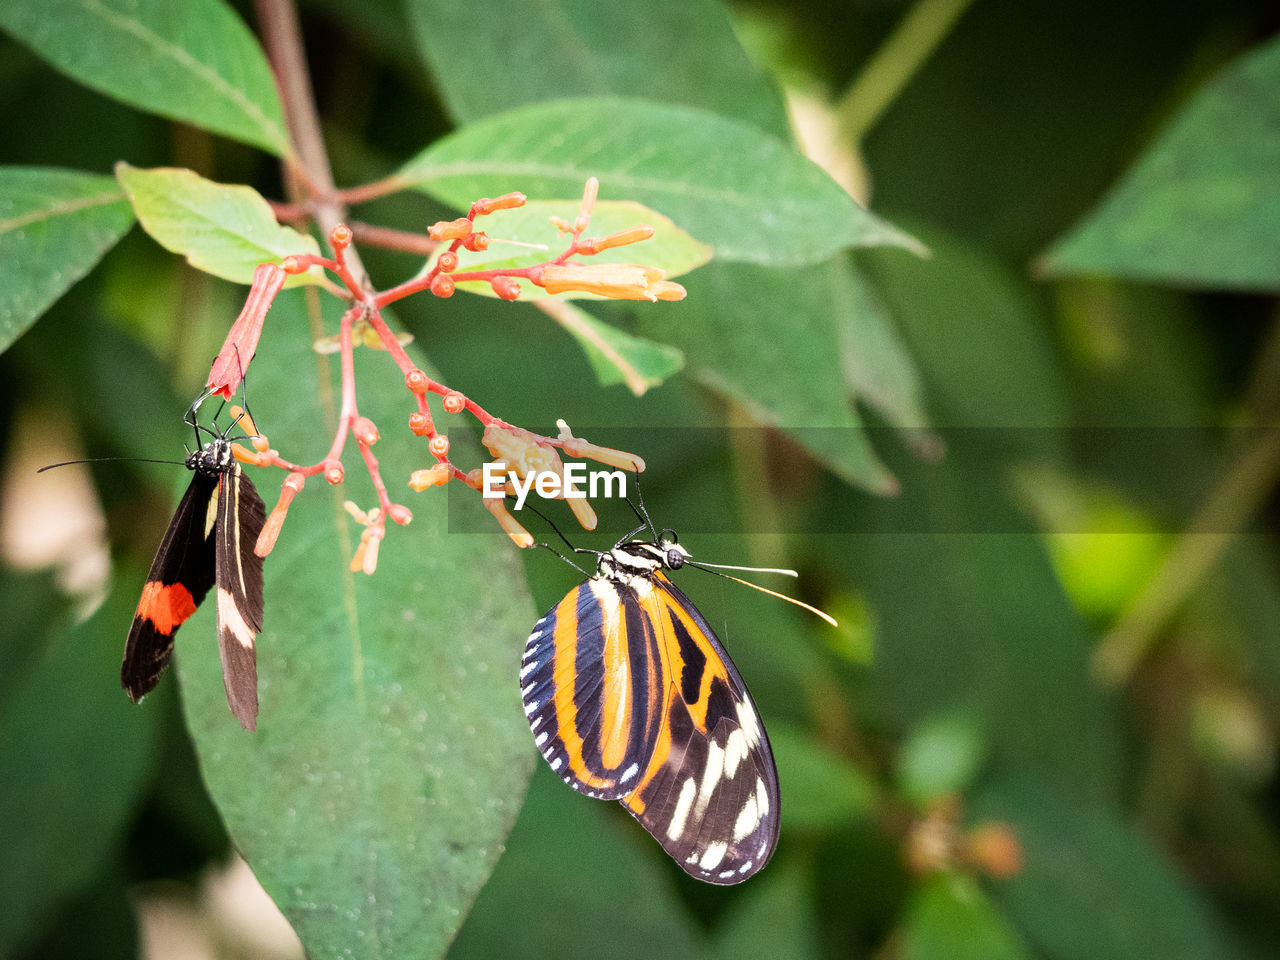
(209, 543)
(631, 697)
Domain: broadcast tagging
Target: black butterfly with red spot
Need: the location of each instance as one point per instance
(210, 541)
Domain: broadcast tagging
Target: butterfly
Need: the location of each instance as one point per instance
(631, 696)
(209, 543)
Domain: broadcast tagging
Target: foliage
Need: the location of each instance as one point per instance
(1012, 424)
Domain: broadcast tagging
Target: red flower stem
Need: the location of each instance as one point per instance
(371, 463)
(305, 260)
(343, 270)
(348, 413)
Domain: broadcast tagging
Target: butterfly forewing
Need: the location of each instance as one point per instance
(710, 792)
(181, 575)
(589, 679)
(241, 515)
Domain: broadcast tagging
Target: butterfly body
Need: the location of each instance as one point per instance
(631, 697)
(209, 542)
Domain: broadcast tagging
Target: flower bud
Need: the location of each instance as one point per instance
(449, 229)
(420, 424)
(505, 287)
(433, 476)
(365, 430)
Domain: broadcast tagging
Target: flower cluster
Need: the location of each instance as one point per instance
(514, 450)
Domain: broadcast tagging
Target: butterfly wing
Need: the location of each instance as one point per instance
(241, 516)
(181, 574)
(593, 681)
(709, 791)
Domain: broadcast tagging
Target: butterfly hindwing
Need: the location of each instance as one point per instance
(181, 575)
(241, 515)
(709, 793)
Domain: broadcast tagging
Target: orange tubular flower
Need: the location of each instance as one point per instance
(241, 343)
(618, 281)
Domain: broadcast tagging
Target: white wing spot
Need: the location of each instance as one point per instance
(527, 669)
(229, 618)
(713, 855)
(749, 721)
(736, 750)
(710, 777)
(748, 820)
(630, 772)
(681, 813)
(540, 739)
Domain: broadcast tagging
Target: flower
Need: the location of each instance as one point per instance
(618, 281)
(242, 341)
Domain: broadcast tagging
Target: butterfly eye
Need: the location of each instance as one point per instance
(675, 559)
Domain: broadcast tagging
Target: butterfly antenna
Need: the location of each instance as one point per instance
(639, 511)
(67, 463)
(728, 566)
(773, 593)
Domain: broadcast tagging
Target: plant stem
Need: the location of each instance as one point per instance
(899, 58)
(282, 37)
(1215, 526)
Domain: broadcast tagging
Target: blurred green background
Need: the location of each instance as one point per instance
(1047, 725)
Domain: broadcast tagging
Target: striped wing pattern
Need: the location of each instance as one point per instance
(631, 697)
(241, 515)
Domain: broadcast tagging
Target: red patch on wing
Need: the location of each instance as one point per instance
(167, 606)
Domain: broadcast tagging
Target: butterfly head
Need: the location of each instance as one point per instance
(213, 458)
(643, 558)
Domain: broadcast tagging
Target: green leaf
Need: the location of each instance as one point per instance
(223, 230)
(195, 61)
(1092, 887)
(987, 629)
(950, 918)
(583, 48)
(580, 879)
(772, 917)
(770, 340)
(979, 333)
(615, 356)
(941, 756)
(877, 365)
(1202, 206)
(751, 196)
(392, 751)
(670, 248)
(823, 790)
(74, 758)
(54, 226)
